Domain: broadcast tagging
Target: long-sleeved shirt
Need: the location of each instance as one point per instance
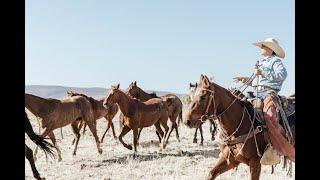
(273, 75)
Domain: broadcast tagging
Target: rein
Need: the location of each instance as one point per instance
(242, 138)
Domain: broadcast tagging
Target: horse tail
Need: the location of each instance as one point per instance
(38, 140)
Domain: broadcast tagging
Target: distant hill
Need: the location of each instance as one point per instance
(59, 92)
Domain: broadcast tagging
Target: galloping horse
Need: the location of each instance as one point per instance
(241, 132)
(54, 113)
(138, 114)
(213, 127)
(174, 105)
(99, 111)
(39, 141)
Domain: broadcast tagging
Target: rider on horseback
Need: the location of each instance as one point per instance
(271, 73)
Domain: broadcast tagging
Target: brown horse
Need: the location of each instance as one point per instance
(213, 128)
(99, 111)
(39, 141)
(54, 113)
(235, 119)
(174, 105)
(138, 114)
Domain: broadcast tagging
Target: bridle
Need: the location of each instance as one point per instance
(227, 140)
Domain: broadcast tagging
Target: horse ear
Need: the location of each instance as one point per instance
(135, 83)
(69, 92)
(206, 81)
(117, 86)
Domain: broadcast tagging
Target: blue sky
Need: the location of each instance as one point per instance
(163, 45)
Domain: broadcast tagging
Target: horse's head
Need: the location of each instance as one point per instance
(112, 97)
(133, 90)
(199, 104)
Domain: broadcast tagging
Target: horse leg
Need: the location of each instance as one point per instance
(93, 128)
(76, 132)
(44, 134)
(158, 136)
(200, 128)
(61, 133)
(140, 129)
(214, 131)
(272, 169)
(255, 169)
(29, 156)
(113, 132)
(195, 136)
(222, 166)
(108, 126)
(54, 142)
(159, 131)
(135, 139)
(171, 127)
(84, 128)
(125, 130)
(165, 137)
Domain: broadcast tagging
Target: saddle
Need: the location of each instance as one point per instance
(287, 104)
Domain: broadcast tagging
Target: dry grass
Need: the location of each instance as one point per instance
(184, 160)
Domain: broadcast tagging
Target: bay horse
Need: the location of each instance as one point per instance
(213, 127)
(235, 119)
(138, 114)
(39, 141)
(54, 113)
(98, 112)
(174, 105)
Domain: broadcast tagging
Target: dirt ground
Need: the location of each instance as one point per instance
(185, 160)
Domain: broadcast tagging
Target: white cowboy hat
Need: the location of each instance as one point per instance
(273, 45)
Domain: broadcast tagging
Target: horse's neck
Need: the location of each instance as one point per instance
(144, 96)
(37, 105)
(232, 114)
(124, 103)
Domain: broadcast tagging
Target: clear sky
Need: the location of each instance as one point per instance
(163, 45)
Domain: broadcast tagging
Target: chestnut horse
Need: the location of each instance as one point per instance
(138, 114)
(39, 141)
(236, 119)
(54, 113)
(99, 111)
(174, 105)
(213, 127)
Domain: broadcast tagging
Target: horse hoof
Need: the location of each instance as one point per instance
(129, 147)
(201, 144)
(195, 141)
(115, 138)
(212, 139)
(73, 154)
(100, 151)
(59, 159)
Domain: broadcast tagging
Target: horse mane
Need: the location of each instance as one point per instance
(153, 94)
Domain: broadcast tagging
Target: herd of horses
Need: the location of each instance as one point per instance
(139, 109)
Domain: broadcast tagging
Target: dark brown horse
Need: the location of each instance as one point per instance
(138, 114)
(235, 119)
(174, 105)
(54, 113)
(39, 141)
(99, 111)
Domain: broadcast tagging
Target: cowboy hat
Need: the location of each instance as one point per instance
(273, 45)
